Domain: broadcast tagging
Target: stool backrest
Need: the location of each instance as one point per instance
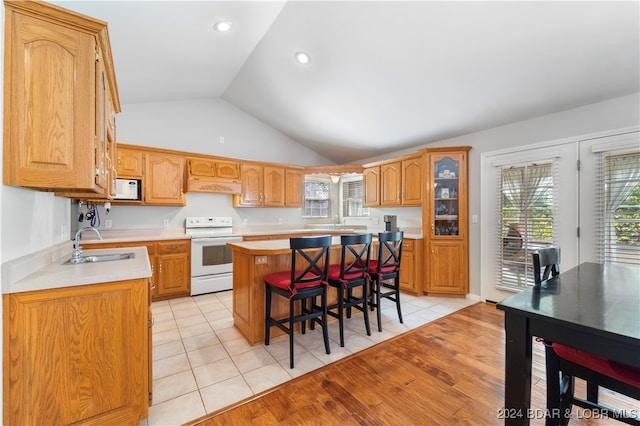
(309, 260)
(389, 251)
(549, 259)
(356, 253)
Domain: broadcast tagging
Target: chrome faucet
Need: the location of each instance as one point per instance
(336, 222)
(77, 250)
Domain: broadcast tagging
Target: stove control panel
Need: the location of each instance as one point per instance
(209, 222)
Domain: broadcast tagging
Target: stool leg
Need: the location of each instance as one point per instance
(291, 306)
(267, 326)
(341, 314)
(365, 311)
(325, 331)
(397, 287)
(378, 284)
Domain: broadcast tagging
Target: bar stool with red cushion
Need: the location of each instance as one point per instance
(386, 267)
(351, 273)
(304, 282)
(564, 364)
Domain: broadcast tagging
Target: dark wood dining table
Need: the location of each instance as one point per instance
(594, 307)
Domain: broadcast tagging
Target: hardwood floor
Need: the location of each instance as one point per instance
(449, 371)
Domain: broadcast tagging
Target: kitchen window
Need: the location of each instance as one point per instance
(317, 202)
(353, 197)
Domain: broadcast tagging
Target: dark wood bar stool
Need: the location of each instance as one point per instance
(304, 282)
(386, 267)
(351, 273)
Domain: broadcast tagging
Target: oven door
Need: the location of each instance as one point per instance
(210, 256)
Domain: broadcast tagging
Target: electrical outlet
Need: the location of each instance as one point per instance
(245, 221)
(165, 223)
(376, 221)
(279, 221)
(108, 223)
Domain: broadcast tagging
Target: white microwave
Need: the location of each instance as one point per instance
(128, 189)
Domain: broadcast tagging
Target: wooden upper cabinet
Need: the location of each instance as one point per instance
(251, 192)
(412, 171)
(294, 187)
(273, 186)
(394, 183)
(390, 184)
(129, 163)
(371, 180)
(50, 139)
(263, 185)
(164, 179)
(202, 167)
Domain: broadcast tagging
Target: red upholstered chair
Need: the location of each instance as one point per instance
(351, 273)
(303, 283)
(386, 267)
(564, 364)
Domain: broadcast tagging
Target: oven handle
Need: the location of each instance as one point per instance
(217, 241)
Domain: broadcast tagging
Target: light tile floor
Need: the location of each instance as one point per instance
(201, 363)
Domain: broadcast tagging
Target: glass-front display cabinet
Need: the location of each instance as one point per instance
(445, 220)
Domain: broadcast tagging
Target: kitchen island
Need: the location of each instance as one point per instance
(252, 260)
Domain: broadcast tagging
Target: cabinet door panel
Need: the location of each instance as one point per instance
(445, 272)
(251, 185)
(164, 179)
(205, 168)
(412, 182)
(371, 180)
(227, 170)
(273, 186)
(129, 163)
(84, 356)
(173, 274)
(294, 188)
(390, 184)
(49, 122)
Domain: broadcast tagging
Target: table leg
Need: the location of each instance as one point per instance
(517, 381)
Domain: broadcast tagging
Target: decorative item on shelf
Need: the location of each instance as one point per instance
(441, 209)
(444, 193)
(454, 193)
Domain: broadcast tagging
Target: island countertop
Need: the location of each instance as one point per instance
(58, 274)
(274, 247)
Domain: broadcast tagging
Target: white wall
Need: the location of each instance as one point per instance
(197, 125)
(603, 116)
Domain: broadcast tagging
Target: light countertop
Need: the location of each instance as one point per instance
(133, 235)
(58, 275)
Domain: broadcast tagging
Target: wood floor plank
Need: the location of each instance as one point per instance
(450, 371)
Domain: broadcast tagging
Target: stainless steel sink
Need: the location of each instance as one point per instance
(95, 258)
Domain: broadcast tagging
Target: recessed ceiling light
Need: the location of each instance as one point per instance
(303, 58)
(223, 26)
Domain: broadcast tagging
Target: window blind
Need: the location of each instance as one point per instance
(353, 198)
(618, 207)
(528, 220)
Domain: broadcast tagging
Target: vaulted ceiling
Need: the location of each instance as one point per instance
(383, 75)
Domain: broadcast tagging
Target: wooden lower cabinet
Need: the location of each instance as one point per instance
(450, 277)
(170, 265)
(411, 266)
(77, 355)
(174, 269)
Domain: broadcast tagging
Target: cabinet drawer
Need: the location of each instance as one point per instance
(169, 247)
(408, 245)
(151, 246)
